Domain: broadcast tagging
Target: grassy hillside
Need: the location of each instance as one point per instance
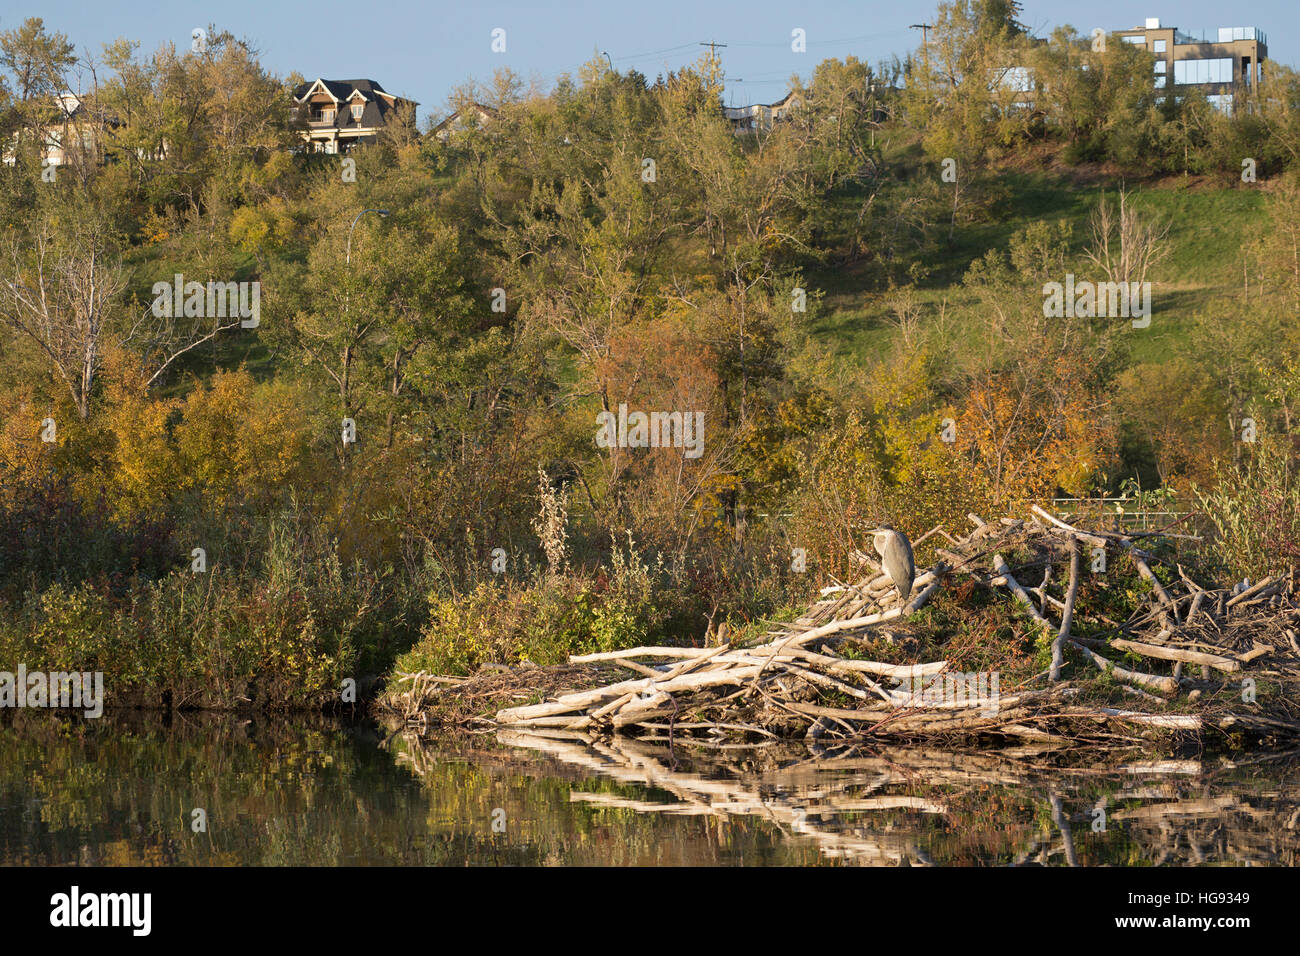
(1209, 223)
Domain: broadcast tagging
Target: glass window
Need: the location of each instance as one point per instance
(1221, 101)
(1018, 79)
(1160, 82)
(356, 110)
(1136, 41)
(1228, 34)
(1160, 66)
(1158, 46)
(1218, 70)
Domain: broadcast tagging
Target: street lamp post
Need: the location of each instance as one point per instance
(382, 212)
(871, 120)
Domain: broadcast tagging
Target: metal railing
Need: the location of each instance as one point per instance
(1101, 511)
(1220, 35)
(1125, 511)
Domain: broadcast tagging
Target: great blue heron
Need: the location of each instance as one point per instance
(896, 557)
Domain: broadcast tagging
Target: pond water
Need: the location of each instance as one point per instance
(123, 790)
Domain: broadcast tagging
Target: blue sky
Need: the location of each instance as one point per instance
(421, 49)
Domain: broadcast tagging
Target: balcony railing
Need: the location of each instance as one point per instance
(1220, 35)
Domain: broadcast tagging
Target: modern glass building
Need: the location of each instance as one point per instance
(1219, 63)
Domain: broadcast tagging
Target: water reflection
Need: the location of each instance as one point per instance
(120, 791)
(914, 807)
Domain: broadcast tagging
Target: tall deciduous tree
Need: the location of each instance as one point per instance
(63, 289)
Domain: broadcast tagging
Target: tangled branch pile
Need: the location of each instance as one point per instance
(807, 676)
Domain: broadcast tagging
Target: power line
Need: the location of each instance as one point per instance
(854, 39)
(776, 76)
(671, 49)
(714, 46)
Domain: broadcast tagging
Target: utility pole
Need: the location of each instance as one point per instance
(925, 29)
(713, 60)
(711, 44)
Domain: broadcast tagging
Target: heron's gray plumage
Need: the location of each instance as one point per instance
(896, 557)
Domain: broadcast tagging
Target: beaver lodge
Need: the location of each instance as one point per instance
(1026, 631)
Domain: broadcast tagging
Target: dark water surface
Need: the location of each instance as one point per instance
(122, 790)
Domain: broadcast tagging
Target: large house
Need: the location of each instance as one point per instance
(1219, 65)
(760, 116)
(476, 115)
(338, 114)
(72, 133)
(1232, 59)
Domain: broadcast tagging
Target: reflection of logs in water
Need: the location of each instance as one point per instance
(629, 761)
(917, 807)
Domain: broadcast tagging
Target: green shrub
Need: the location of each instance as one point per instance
(543, 620)
(1254, 508)
(284, 635)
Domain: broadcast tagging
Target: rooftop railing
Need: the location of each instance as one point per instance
(1220, 35)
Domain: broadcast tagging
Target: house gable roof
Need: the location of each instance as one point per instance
(379, 103)
(482, 109)
(342, 90)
